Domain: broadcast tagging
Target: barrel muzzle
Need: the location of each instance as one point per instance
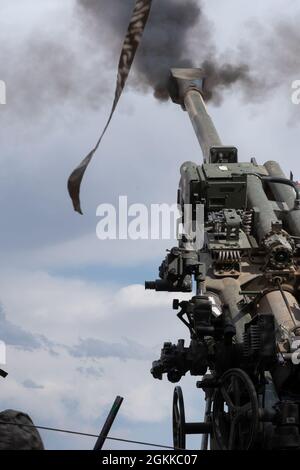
(183, 80)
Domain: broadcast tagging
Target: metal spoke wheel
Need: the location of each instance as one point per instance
(179, 436)
(235, 412)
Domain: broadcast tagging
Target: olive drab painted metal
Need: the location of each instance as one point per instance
(244, 317)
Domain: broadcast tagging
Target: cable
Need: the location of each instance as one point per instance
(89, 435)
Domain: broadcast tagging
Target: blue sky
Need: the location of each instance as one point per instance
(78, 325)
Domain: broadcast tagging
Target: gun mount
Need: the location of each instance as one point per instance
(244, 317)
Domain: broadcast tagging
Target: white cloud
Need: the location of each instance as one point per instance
(127, 320)
(64, 309)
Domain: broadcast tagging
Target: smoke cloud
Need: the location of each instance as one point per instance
(76, 63)
(178, 34)
(48, 66)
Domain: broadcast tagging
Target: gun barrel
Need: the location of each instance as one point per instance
(186, 88)
(203, 125)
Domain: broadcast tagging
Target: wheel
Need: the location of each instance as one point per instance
(179, 436)
(235, 412)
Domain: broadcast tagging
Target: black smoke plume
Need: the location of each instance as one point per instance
(178, 34)
(74, 64)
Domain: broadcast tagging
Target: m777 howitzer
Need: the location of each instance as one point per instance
(244, 319)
